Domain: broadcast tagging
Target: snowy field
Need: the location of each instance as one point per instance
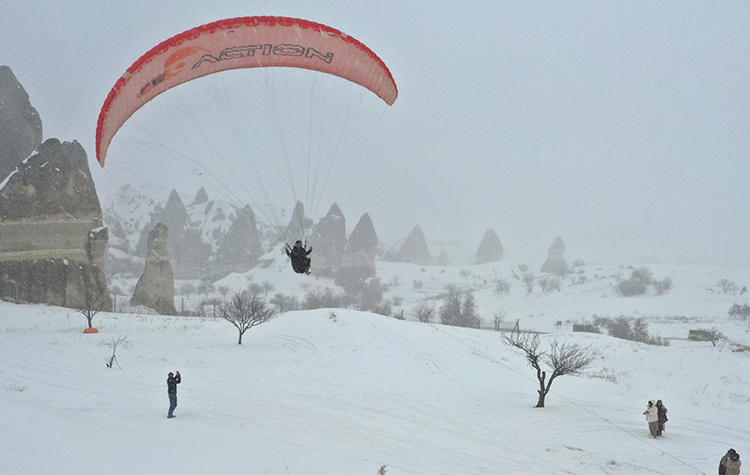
(333, 391)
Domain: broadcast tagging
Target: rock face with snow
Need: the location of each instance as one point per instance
(444, 259)
(414, 249)
(490, 248)
(298, 224)
(329, 239)
(188, 252)
(52, 240)
(155, 288)
(362, 246)
(208, 238)
(555, 263)
(238, 249)
(20, 125)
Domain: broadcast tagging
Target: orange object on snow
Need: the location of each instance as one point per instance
(91, 330)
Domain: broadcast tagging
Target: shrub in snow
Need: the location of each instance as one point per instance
(459, 309)
(727, 286)
(529, 281)
(284, 303)
(740, 311)
(629, 328)
(361, 289)
(424, 312)
(663, 286)
(321, 299)
(501, 287)
(383, 309)
(548, 284)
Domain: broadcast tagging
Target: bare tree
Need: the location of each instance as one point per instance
(89, 304)
(499, 318)
(254, 289)
(115, 292)
(223, 290)
(205, 288)
(267, 287)
(424, 312)
(245, 311)
(113, 344)
(565, 359)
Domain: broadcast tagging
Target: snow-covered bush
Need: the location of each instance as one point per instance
(458, 309)
(629, 328)
(424, 312)
(501, 287)
(740, 311)
(661, 287)
(548, 284)
(322, 299)
(284, 303)
(727, 286)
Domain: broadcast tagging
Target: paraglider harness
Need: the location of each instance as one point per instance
(298, 254)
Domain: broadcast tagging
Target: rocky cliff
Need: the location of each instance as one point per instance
(52, 240)
(20, 125)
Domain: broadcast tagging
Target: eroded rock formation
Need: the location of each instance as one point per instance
(490, 248)
(52, 239)
(155, 288)
(555, 263)
(20, 125)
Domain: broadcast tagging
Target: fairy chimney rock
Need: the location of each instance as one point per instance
(414, 249)
(490, 248)
(155, 288)
(329, 239)
(362, 246)
(20, 125)
(239, 248)
(297, 224)
(555, 263)
(200, 197)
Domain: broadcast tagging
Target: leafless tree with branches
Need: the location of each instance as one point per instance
(89, 304)
(113, 344)
(424, 312)
(563, 358)
(244, 311)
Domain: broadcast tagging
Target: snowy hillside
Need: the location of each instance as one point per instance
(341, 392)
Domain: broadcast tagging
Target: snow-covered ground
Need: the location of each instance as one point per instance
(334, 391)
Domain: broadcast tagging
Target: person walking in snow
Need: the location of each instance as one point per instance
(172, 382)
(652, 417)
(730, 463)
(723, 462)
(661, 411)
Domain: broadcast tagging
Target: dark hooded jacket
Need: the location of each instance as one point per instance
(172, 382)
(300, 261)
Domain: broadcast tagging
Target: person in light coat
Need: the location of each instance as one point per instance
(733, 464)
(652, 417)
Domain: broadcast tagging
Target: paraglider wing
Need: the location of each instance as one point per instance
(246, 42)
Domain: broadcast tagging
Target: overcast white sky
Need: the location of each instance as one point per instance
(621, 126)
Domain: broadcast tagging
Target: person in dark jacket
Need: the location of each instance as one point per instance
(172, 382)
(662, 414)
(298, 254)
(730, 463)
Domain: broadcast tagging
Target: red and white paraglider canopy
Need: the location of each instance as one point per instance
(246, 42)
